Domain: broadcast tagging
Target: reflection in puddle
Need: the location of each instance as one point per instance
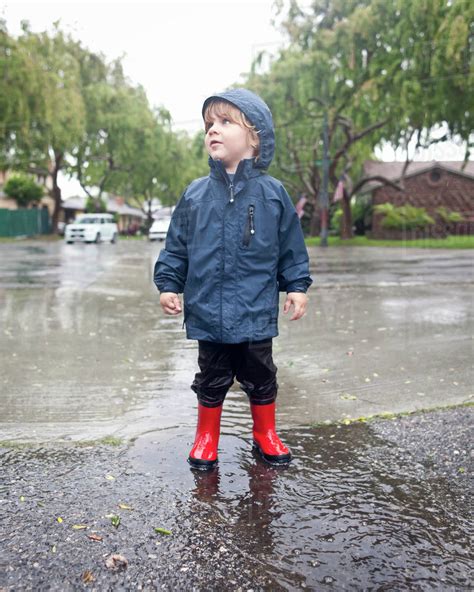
(345, 512)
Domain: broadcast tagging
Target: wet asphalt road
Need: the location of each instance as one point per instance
(87, 353)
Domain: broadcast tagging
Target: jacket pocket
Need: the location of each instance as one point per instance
(249, 225)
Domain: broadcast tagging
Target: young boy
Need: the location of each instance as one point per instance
(234, 242)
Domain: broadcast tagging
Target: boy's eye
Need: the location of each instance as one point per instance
(210, 124)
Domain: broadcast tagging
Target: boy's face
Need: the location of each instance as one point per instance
(228, 141)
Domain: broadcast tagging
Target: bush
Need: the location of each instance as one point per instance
(361, 212)
(403, 217)
(23, 189)
(449, 215)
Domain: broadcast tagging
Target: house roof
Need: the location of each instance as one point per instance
(393, 170)
(79, 203)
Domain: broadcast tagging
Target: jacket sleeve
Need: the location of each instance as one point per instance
(293, 262)
(171, 267)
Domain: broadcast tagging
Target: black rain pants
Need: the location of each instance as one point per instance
(250, 362)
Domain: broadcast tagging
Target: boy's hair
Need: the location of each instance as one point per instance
(222, 108)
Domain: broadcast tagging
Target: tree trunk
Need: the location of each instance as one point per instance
(346, 221)
(56, 192)
(315, 219)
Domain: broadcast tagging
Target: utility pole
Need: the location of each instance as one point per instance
(323, 194)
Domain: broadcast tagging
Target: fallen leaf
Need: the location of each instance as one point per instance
(79, 526)
(110, 477)
(162, 530)
(125, 507)
(348, 397)
(22, 498)
(87, 577)
(116, 562)
(115, 520)
(94, 537)
(60, 519)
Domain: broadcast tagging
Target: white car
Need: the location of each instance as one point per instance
(91, 228)
(159, 229)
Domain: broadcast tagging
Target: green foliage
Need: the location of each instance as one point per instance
(66, 108)
(403, 217)
(336, 220)
(380, 71)
(95, 206)
(361, 210)
(23, 189)
(449, 215)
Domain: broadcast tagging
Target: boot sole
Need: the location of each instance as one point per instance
(273, 459)
(202, 465)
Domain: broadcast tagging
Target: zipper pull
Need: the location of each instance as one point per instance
(252, 227)
(231, 187)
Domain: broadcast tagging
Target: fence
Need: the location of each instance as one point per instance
(24, 222)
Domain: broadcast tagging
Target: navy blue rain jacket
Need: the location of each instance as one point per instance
(232, 246)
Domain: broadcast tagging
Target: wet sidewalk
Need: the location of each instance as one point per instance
(377, 506)
(366, 505)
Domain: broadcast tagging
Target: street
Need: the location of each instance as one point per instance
(98, 418)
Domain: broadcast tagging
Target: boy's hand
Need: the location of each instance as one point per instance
(299, 300)
(170, 303)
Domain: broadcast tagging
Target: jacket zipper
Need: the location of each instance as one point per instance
(250, 227)
(231, 187)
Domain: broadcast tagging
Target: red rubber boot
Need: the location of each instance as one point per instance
(265, 439)
(203, 454)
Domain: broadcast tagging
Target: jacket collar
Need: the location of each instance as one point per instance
(245, 170)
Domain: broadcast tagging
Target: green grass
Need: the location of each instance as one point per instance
(451, 242)
(105, 441)
(388, 415)
(40, 237)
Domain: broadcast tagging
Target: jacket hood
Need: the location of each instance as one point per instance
(258, 113)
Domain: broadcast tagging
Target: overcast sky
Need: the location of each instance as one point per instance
(179, 51)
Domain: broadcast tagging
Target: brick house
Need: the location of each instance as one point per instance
(427, 185)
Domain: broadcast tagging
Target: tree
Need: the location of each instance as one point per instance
(365, 65)
(23, 189)
(52, 116)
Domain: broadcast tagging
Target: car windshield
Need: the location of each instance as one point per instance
(89, 220)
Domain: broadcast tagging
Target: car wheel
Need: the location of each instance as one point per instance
(114, 238)
(69, 242)
(97, 238)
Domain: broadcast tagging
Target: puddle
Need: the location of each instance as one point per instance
(344, 515)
